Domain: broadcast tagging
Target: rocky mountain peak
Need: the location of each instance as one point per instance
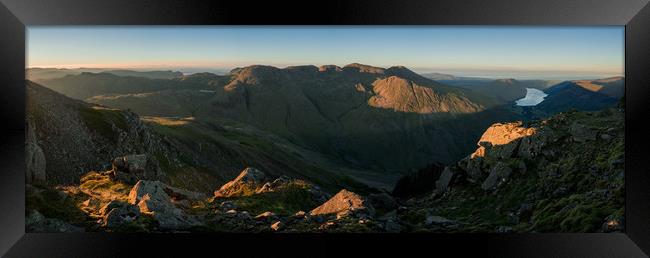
(362, 68)
(404, 95)
(329, 68)
(255, 72)
(302, 69)
(403, 72)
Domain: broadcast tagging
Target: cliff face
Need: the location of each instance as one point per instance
(76, 137)
(561, 174)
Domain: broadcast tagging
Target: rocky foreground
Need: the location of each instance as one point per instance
(106, 202)
(562, 174)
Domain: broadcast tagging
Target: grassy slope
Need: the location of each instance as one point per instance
(214, 153)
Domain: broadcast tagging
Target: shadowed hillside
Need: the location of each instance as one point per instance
(390, 120)
(76, 137)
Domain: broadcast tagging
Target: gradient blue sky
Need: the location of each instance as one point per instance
(487, 51)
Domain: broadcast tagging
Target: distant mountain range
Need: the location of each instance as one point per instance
(41, 74)
(449, 77)
(389, 120)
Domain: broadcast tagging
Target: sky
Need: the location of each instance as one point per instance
(482, 51)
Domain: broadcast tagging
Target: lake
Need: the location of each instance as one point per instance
(533, 97)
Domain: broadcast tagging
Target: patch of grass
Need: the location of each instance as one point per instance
(286, 201)
(248, 140)
(103, 185)
(260, 152)
(194, 178)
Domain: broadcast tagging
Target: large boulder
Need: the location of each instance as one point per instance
(502, 140)
(152, 199)
(131, 168)
(473, 167)
(506, 150)
(266, 216)
(530, 147)
(249, 181)
(498, 174)
(449, 175)
(277, 184)
(133, 164)
(345, 203)
(501, 134)
(155, 190)
(118, 213)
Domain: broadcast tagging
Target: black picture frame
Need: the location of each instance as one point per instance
(16, 14)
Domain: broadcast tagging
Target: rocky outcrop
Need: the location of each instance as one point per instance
(449, 175)
(248, 182)
(253, 181)
(498, 174)
(117, 213)
(277, 184)
(502, 135)
(500, 141)
(564, 173)
(345, 203)
(76, 137)
(131, 168)
(151, 199)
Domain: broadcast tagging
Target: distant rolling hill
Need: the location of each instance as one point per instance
(88, 84)
(613, 86)
(584, 95)
(41, 74)
(501, 91)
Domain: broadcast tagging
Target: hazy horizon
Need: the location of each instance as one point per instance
(519, 52)
(224, 71)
